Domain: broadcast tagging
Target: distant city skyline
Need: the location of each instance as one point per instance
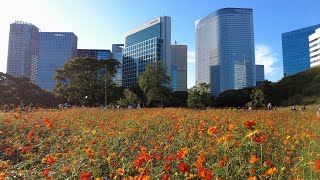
(99, 24)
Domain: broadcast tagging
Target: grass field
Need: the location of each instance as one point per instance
(168, 143)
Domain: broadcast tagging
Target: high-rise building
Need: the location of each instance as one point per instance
(179, 67)
(23, 50)
(314, 45)
(117, 54)
(225, 55)
(55, 49)
(295, 50)
(94, 53)
(259, 74)
(147, 43)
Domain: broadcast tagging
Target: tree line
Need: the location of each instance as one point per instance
(88, 82)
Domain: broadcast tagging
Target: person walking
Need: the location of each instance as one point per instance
(318, 112)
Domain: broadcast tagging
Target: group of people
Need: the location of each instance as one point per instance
(130, 106)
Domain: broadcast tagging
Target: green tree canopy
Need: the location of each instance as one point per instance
(20, 91)
(199, 96)
(257, 98)
(82, 81)
(129, 97)
(154, 83)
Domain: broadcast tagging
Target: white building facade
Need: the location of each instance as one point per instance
(314, 45)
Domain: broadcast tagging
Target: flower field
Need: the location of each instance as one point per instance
(89, 143)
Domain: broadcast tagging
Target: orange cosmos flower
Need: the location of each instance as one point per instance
(65, 169)
(253, 159)
(212, 130)
(182, 153)
(167, 167)
(200, 161)
(249, 123)
(183, 167)
(89, 152)
(222, 162)
(4, 165)
(205, 174)
(270, 171)
(165, 177)
(85, 175)
(99, 178)
(31, 134)
(49, 159)
(252, 178)
(48, 123)
(3, 175)
(252, 171)
(317, 166)
(45, 173)
(232, 127)
(120, 171)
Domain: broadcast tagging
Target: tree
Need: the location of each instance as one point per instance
(85, 81)
(20, 91)
(154, 83)
(199, 96)
(257, 98)
(129, 98)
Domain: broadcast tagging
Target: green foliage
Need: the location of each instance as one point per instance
(257, 98)
(302, 88)
(129, 98)
(199, 96)
(83, 81)
(154, 83)
(20, 91)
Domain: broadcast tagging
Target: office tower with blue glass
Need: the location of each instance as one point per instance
(147, 43)
(23, 49)
(56, 48)
(117, 54)
(295, 50)
(259, 74)
(225, 56)
(94, 53)
(179, 67)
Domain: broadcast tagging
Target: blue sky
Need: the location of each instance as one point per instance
(100, 23)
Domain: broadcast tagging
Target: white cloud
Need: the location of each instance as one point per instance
(191, 57)
(265, 56)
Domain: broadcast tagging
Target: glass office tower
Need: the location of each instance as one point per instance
(145, 44)
(259, 74)
(23, 50)
(295, 50)
(117, 54)
(225, 55)
(94, 53)
(56, 48)
(179, 67)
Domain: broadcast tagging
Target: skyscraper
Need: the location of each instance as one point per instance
(23, 50)
(259, 74)
(55, 49)
(145, 44)
(179, 67)
(295, 50)
(117, 54)
(314, 45)
(225, 55)
(94, 53)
